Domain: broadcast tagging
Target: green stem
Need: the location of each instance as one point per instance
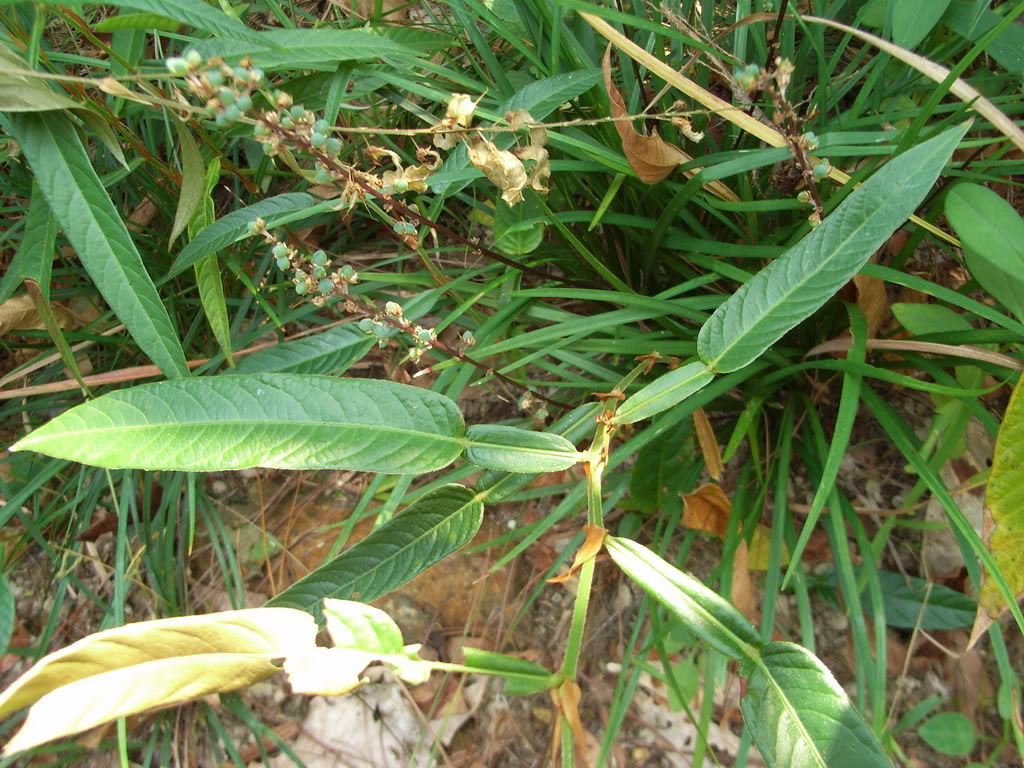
(579, 621)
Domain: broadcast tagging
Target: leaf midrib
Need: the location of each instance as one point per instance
(819, 759)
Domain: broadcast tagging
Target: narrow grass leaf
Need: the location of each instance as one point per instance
(80, 202)
(992, 234)
(664, 392)
(1004, 498)
(6, 613)
(281, 420)
(433, 527)
(703, 611)
(147, 665)
(329, 352)
(800, 717)
(235, 226)
(511, 449)
(793, 286)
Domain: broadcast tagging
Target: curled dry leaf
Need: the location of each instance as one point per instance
(20, 314)
(873, 302)
(651, 157)
(591, 546)
(707, 509)
(502, 168)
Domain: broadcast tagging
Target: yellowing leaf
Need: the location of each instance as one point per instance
(707, 509)
(760, 548)
(709, 447)
(1005, 500)
(651, 157)
(20, 314)
(149, 665)
(505, 170)
(588, 551)
(327, 671)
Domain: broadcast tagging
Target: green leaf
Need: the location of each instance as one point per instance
(235, 226)
(992, 234)
(305, 48)
(6, 613)
(518, 229)
(92, 225)
(793, 286)
(34, 257)
(903, 598)
(800, 717)
(912, 20)
(972, 20)
(211, 294)
(949, 733)
(136, 21)
(331, 351)
(517, 672)
(278, 420)
(429, 530)
(664, 392)
(1004, 498)
(20, 93)
(704, 612)
(511, 449)
(193, 174)
(151, 664)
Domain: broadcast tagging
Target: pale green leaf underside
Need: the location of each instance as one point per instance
(518, 450)
(80, 202)
(704, 612)
(430, 529)
(286, 421)
(793, 286)
(801, 718)
(664, 392)
(19, 93)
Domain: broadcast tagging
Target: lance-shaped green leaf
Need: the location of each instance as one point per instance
(992, 234)
(23, 93)
(522, 677)
(281, 420)
(34, 258)
(664, 392)
(429, 530)
(800, 717)
(793, 286)
(192, 177)
(518, 450)
(332, 351)
(151, 664)
(703, 611)
(81, 204)
(235, 226)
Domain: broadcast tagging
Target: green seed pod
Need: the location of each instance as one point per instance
(297, 112)
(317, 139)
(393, 308)
(322, 176)
(380, 330)
(241, 73)
(280, 250)
(333, 146)
(286, 122)
(401, 185)
(283, 263)
(232, 113)
(321, 126)
(319, 272)
(348, 272)
(301, 288)
(260, 130)
(366, 325)
(424, 335)
(193, 58)
(244, 102)
(215, 78)
(821, 170)
(325, 286)
(319, 257)
(220, 120)
(255, 76)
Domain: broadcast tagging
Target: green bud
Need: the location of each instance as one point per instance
(393, 308)
(325, 286)
(215, 78)
(821, 170)
(286, 122)
(244, 102)
(255, 76)
(301, 288)
(321, 126)
(424, 335)
(401, 185)
(241, 73)
(319, 272)
(260, 130)
(317, 139)
(280, 250)
(366, 325)
(176, 65)
(322, 176)
(319, 258)
(348, 272)
(226, 96)
(380, 330)
(232, 113)
(220, 120)
(333, 146)
(297, 112)
(283, 263)
(193, 58)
